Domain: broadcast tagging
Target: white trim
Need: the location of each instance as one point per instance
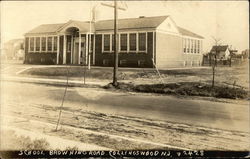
(153, 52)
(94, 49)
(64, 49)
(57, 51)
(86, 49)
(79, 47)
(71, 54)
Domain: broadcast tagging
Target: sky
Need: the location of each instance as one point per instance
(224, 20)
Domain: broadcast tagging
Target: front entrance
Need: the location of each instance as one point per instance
(75, 56)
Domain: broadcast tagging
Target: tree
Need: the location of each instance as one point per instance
(214, 63)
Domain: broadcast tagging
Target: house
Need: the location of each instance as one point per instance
(143, 42)
(12, 48)
(222, 52)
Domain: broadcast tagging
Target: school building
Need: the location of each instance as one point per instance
(143, 42)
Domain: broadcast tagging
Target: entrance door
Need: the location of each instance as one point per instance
(76, 53)
(83, 57)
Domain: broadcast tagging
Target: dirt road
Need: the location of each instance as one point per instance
(193, 124)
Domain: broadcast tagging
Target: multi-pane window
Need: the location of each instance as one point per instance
(188, 44)
(37, 43)
(106, 42)
(113, 42)
(198, 47)
(49, 43)
(184, 45)
(195, 46)
(142, 41)
(55, 43)
(132, 42)
(192, 44)
(43, 43)
(124, 40)
(32, 44)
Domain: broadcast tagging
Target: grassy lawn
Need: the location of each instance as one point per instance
(227, 75)
(230, 82)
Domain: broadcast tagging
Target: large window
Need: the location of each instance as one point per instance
(106, 42)
(124, 40)
(132, 42)
(43, 43)
(184, 45)
(32, 44)
(195, 46)
(49, 43)
(113, 42)
(192, 44)
(188, 42)
(37, 43)
(55, 43)
(142, 41)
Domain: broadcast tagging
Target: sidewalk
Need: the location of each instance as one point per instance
(77, 83)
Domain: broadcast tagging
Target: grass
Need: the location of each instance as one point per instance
(231, 82)
(185, 89)
(12, 141)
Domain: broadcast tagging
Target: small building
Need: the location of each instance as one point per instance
(222, 52)
(12, 48)
(143, 42)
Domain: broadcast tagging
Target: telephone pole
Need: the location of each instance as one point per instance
(115, 71)
(116, 44)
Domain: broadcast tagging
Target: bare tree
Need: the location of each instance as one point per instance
(214, 63)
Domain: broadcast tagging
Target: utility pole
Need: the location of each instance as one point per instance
(116, 45)
(115, 71)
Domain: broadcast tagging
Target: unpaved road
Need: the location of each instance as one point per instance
(193, 124)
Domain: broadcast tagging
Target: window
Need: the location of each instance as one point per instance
(49, 43)
(38, 44)
(188, 44)
(106, 42)
(192, 43)
(55, 43)
(195, 46)
(124, 40)
(142, 41)
(113, 42)
(43, 43)
(132, 42)
(69, 44)
(184, 45)
(32, 44)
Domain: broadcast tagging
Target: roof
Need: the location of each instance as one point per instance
(219, 48)
(105, 25)
(46, 28)
(131, 23)
(188, 33)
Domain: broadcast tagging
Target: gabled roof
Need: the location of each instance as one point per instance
(131, 23)
(46, 28)
(219, 48)
(188, 33)
(105, 25)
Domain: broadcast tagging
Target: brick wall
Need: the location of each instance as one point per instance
(126, 59)
(41, 58)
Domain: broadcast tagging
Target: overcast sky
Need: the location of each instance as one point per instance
(226, 20)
